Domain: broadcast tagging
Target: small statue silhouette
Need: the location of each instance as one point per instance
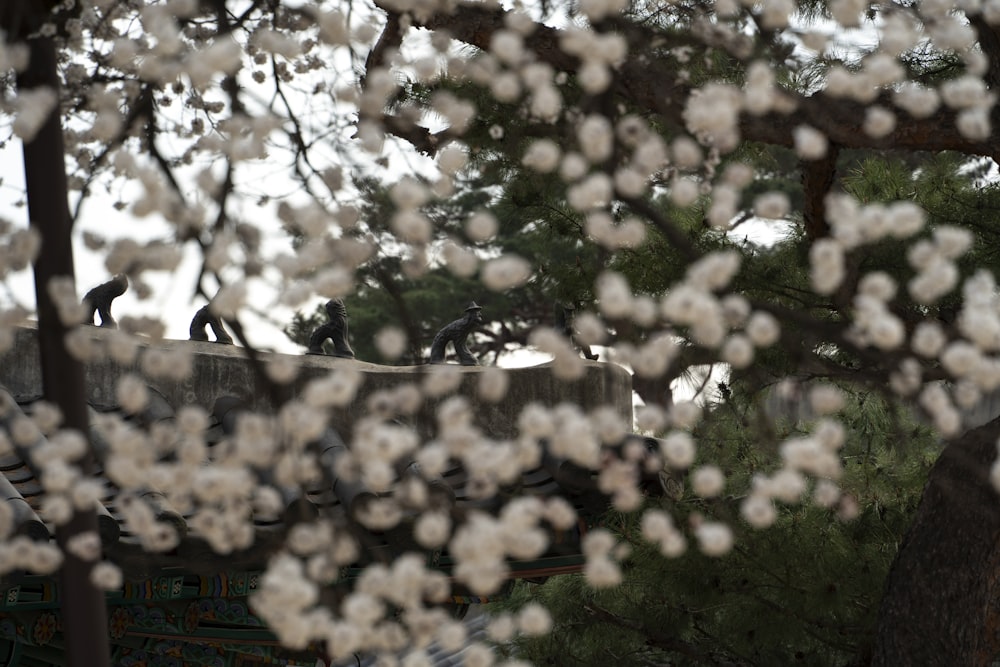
(564, 314)
(457, 333)
(98, 300)
(336, 330)
(205, 317)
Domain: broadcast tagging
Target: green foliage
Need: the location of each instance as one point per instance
(533, 223)
(421, 306)
(804, 591)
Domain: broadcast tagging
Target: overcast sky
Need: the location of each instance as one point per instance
(172, 295)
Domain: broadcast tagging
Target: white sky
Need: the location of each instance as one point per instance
(172, 295)
(171, 298)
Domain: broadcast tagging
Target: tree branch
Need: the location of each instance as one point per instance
(989, 42)
(653, 84)
(654, 638)
(817, 179)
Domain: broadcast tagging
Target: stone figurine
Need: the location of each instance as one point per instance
(206, 318)
(336, 330)
(457, 334)
(98, 300)
(564, 314)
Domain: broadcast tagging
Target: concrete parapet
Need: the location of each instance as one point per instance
(220, 370)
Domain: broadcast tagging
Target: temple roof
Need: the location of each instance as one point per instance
(190, 601)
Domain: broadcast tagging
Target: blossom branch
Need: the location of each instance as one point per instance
(654, 84)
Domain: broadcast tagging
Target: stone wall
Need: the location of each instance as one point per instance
(221, 370)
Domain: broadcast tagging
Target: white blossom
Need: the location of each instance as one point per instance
(974, 124)
(879, 122)
(886, 332)
(787, 485)
(952, 242)
(462, 262)
(410, 226)
(595, 10)
(432, 529)
(712, 114)
(481, 226)
(808, 455)
(228, 300)
(614, 295)
(714, 539)
(452, 158)
(760, 85)
(936, 279)
(678, 449)
(714, 271)
(533, 620)
(685, 414)
(960, 358)
(899, 34)
(106, 576)
(879, 285)
(543, 155)
(826, 493)
(603, 159)
(602, 572)
(772, 205)
(32, 108)
(441, 379)
(964, 92)
(560, 513)
(737, 351)
(506, 87)
(336, 388)
(686, 153)
(650, 155)
(501, 628)
(763, 329)
(707, 481)
(592, 192)
(391, 342)
(57, 508)
(758, 510)
(683, 192)
(830, 433)
(848, 12)
(810, 143)
(928, 339)
(725, 201)
(507, 46)
(132, 393)
(827, 267)
(596, 138)
(650, 418)
(594, 77)
(506, 272)
(546, 103)
(630, 183)
(826, 399)
(918, 101)
(493, 384)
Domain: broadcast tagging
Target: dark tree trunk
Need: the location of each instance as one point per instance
(83, 608)
(942, 599)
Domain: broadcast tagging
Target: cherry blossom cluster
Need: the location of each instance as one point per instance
(178, 109)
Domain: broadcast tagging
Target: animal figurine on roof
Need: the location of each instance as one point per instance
(564, 315)
(206, 318)
(336, 330)
(98, 300)
(457, 333)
